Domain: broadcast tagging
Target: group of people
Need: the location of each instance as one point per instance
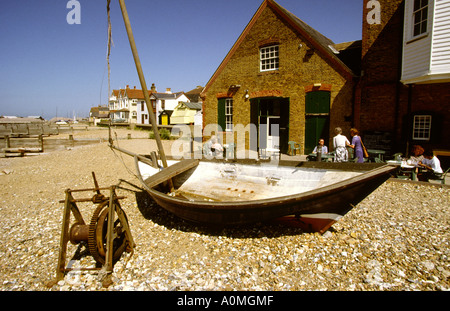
(425, 159)
(420, 157)
(340, 144)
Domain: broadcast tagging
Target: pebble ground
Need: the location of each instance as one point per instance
(397, 239)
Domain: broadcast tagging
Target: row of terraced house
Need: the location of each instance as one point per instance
(127, 106)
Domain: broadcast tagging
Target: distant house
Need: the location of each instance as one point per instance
(195, 94)
(185, 113)
(97, 114)
(123, 104)
(163, 105)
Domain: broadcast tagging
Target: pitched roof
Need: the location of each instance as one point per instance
(167, 95)
(100, 112)
(350, 54)
(135, 93)
(130, 93)
(196, 106)
(319, 41)
(194, 95)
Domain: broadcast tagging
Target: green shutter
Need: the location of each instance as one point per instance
(221, 114)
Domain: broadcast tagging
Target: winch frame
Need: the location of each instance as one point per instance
(68, 232)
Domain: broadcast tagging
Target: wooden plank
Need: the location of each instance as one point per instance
(11, 155)
(22, 150)
(170, 172)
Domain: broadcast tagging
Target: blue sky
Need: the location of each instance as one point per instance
(49, 67)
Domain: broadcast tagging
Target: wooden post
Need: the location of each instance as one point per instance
(41, 142)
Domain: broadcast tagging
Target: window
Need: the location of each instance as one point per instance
(422, 127)
(269, 57)
(229, 114)
(420, 17)
(225, 114)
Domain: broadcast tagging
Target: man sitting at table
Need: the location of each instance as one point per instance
(321, 147)
(432, 164)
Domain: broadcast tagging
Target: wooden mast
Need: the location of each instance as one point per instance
(142, 80)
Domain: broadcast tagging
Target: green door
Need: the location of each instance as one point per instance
(317, 119)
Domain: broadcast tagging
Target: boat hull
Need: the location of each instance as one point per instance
(314, 210)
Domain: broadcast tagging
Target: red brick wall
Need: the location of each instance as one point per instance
(385, 102)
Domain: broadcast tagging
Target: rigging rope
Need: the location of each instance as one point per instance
(109, 47)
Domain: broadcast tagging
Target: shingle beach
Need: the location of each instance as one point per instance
(397, 239)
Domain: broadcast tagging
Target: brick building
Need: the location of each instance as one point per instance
(280, 71)
(404, 89)
(393, 85)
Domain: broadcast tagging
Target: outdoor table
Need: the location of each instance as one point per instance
(377, 153)
(408, 168)
(272, 153)
(326, 157)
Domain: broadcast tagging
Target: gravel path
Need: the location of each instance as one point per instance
(396, 239)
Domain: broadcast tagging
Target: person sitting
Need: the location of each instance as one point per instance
(321, 147)
(417, 155)
(433, 166)
(319, 150)
(216, 147)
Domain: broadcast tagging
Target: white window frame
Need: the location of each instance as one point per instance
(422, 12)
(269, 58)
(422, 127)
(229, 114)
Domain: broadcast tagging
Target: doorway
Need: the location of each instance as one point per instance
(317, 119)
(271, 117)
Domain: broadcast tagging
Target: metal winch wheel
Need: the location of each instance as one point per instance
(98, 233)
(95, 234)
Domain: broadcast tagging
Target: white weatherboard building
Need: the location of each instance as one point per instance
(426, 48)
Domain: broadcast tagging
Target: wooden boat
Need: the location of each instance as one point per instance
(235, 194)
(232, 193)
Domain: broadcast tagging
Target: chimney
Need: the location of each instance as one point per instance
(153, 88)
(135, 87)
(168, 90)
(128, 86)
